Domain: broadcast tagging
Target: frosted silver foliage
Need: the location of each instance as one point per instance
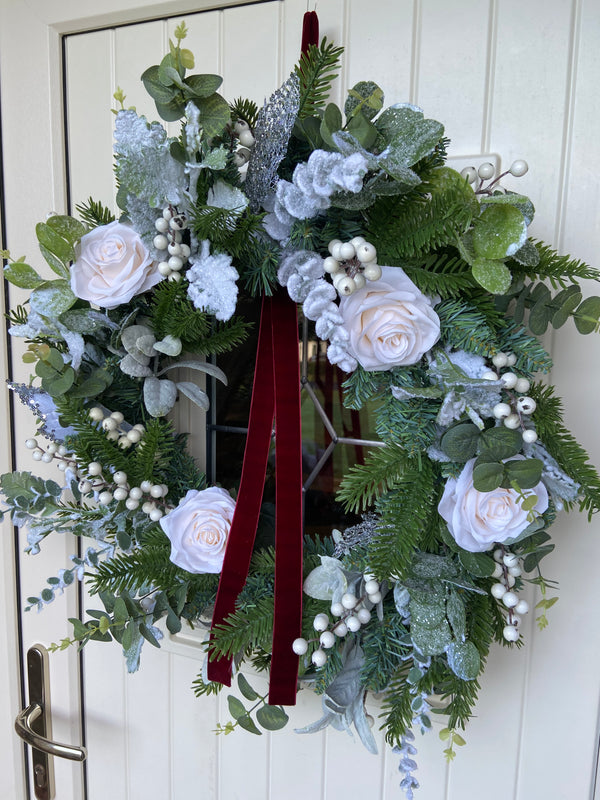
(42, 406)
(360, 534)
(271, 133)
(555, 479)
(298, 272)
(212, 283)
(144, 165)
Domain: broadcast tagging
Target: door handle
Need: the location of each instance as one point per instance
(34, 726)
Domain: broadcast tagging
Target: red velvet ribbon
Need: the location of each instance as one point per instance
(275, 394)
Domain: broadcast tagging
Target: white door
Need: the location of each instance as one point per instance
(512, 78)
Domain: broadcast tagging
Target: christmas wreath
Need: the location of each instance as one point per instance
(426, 293)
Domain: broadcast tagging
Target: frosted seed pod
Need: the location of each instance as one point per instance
(164, 269)
(185, 250)
(346, 287)
(511, 359)
(105, 498)
(135, 493)
(341, 629)
(178, 223)
(489, 375)
(145, 486)
(112, 436)
(486, 171)
(109, 424)
(522, 385)
(31, 444)
(510, 580)
(510, 559)
(331, 265)
(162, 225)
(512, 422)
(247, 139)
(371, 587)
(498, 571)
(366, 253)
(37, 455)
(300, 646)
(174, 277)
(332, 244)
(375, 598)
(502, 410)
(120, 494)
(518, 168)
(176, 263)
(52, 448)
(349, 600)
(522, 607)
(509, 379)
(120, 477)
(510, 599)
(347, 251)
(174, 249)
(337, 609)
(530, 436)
(318, 658)
(155, 514)
(148, 507)
(85, 487)
(498, 591)
(357, 241)
(131, 504)
(469, 173)
(94, 468)
(372, 272)
(364, 615)
(360, 280)
(500, 360)
(160, 241)
(526, 405)
(353, 623)
(241, 125)
(327, 639)
(510, 633)
(321, 622)
(515, 571)
(133, 436)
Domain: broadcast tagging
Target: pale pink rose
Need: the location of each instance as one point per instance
(477, 519)
(198, 529)
(112, 266)
(390, 322)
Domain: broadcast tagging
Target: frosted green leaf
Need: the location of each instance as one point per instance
(527, 255)
(170, 345)
(325, 581)
(405, 127)
(477, 564)
(427, 609)
(131, 366)
(499, 232)
(431, 641)
(22, 275)
(159, 396)
(68, 228)
(493, 275)
(464, 661)
(52, 299)
(366, 97)
(194, 393)
(457, 617)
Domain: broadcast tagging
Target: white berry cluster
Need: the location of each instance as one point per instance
(53, 452)
(352, 612)
(112, 425)
(169, 238)
(116, 487)
(512, 412)
(246, 139)
(487, 171)
(507, 570)
(351, 264)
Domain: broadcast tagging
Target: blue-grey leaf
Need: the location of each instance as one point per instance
(194, 393)
(201, 366)
(159, 396)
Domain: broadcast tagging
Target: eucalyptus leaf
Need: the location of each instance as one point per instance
(22, 275)
(464, 660)
(488, 476)
(587, 315)
(214, 113)
(567, 300)
(201, 366)
(500, 443)
(156, 89)
(236, 707)
(159, 396)
(526, 472)
(52, 299)
(247, 723)
(170, 112)
(131, 366)
(203, 85)
(272, 718)
(170, 345)
(245, 688)
(460, 442)
(194, 393)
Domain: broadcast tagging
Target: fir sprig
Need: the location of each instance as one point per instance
(94, 213)
(316, 70)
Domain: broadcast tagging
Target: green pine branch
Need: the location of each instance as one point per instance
(444, 274)
(94, 213)
(244, 109)
(364, 483)
(560, 271)
(244, 630)
(316, 70)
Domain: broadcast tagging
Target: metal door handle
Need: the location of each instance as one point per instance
(24, 728)
(34, 726)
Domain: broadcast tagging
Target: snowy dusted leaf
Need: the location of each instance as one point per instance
(52, 299)
(457, 617)
(361, 723)
(406, 128)
(431, 641)
(499, 232)
(492, 274)
(22, 275)
(146, 344)
(130, 335)
(464, 660)
(325, 581)
(194, 393)
(366, 97)
(159, 396)
(201, 366)
(477, 564)
(131, 366)
(66, 227)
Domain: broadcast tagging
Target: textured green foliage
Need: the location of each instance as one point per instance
(445, 274)
(316, 70)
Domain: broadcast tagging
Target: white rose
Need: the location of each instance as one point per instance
(112, 266)
(390, 322)
(478, 519)
(198, 529)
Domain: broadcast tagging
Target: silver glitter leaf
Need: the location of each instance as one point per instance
(271, 133)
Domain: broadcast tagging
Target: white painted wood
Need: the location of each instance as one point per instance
(517, 79)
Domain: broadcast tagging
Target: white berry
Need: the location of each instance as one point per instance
(502, 410)
(160, 241)
(346, 286)
(353, 624)
(347, 251)
(156, 491)
(318, 658)
(526, 405)
(498, 571)
(486, 171)
(161, 225)
(155, 514)
(337, 609)
(469, 173)
(327, 639)
(349, 600)
(332, 244)
(321, 622)
(331, 265)
(37, 455)
(94, 468)
(364, 615)
(510, 633)
(509, 379)
(357, 241)
(512, 421)
(522, 385)
(131, 504)
(31, 444)
(300, 646)
(530, 436)
(375, 598)
(120, 494)
(510, 599)
(134, 436)
(359, 280)
(372, 272)
(500, 360)
(371, 587)
(522, 607)
(246, 138)
(145, 486)
(510, 559)
(498, 591)
(366, 253)
(341, 629)
(490, 375)
(518, 168)
(120, 477)
(105, 498)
